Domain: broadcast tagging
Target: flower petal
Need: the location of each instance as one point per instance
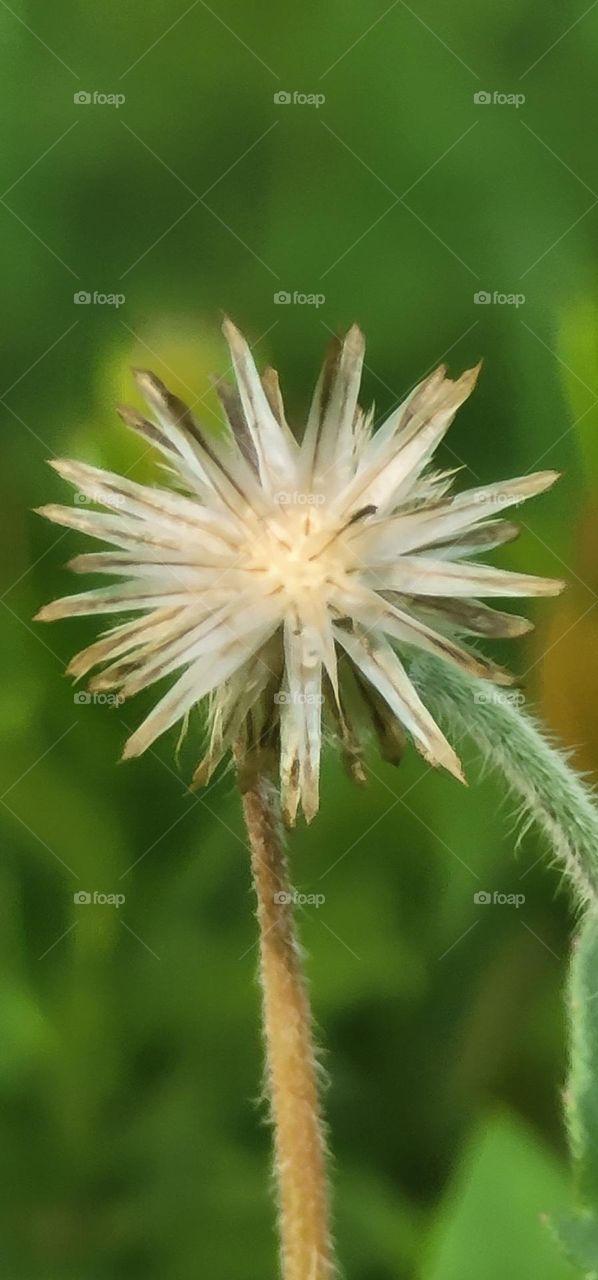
(469, 616)
(123, 638)
(161, 507)
(198, 680)
(421, 575)
(214, 632)
(385, 538)
(275, 455)
(328, 447)
(381, 666)
(303, 706)
(377, 614)
(390, 470)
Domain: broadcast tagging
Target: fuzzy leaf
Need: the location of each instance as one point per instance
(550, 792)
(556, 798)
(578, 1232)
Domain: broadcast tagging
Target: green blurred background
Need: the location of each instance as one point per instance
(132, 1141)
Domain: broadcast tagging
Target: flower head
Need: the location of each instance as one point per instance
(286, 580)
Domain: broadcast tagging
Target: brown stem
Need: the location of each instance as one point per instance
(291, 1069)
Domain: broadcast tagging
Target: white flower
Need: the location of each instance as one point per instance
(290, 575)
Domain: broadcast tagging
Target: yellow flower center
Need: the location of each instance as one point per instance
(300, 552)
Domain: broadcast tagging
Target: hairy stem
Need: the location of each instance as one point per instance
(552, 794)
(291, 1068)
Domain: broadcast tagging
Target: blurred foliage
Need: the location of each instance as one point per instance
(130, 1057)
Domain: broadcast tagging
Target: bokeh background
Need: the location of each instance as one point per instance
(132, 1141)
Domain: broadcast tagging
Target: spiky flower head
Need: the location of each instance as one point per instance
(288, 581)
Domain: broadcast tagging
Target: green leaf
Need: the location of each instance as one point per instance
(581, 1097)
(578, 1237)
(578, 1232)
(552, 794)
(492, 1223)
